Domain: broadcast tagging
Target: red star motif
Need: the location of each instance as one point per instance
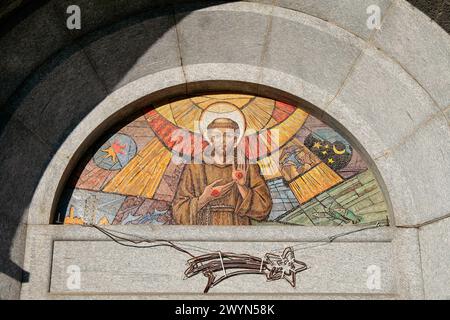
(118, 148)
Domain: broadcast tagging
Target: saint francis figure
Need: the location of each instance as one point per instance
(225, 189)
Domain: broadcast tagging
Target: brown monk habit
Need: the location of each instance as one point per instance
(232, 209)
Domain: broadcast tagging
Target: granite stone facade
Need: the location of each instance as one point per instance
(387, 90)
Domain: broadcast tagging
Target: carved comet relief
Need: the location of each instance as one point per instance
(273, 266)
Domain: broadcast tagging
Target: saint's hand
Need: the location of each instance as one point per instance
(240, 173)
(214, 191)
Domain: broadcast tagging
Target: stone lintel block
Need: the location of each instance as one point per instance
(416, 174)
(133, 48)
(380, 104)
(435, 255)
(209, 77)
(420, 46)
(350, 15)
(307, 48)
(227, 33)
(408, 263)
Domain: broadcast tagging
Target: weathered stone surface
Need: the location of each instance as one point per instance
(227, 33)
(437, 10)
(416, 174)
(408, 263)
(215, 76)
(422, 48)
(39, 249)
(348, 275)
(27, 45)
(447, 114)
(51, 180)
(308, 48)
(380, 104)
(348, 14)
(431, 8)
(12, 248)
(94, 14)
(22, 161)
(443, 16)
(58, 96)
(414, 171)
(161, 270)
(165, 84)
(316, 97)
(435, 255)
(43, 33)
(134, 48)
(98, 14)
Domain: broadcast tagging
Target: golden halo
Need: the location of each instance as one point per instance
(222, 110)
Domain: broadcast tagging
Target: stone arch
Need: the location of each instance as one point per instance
(366, 82)
(121, 105)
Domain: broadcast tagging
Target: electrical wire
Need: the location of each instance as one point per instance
(183, 247)
(274, 266)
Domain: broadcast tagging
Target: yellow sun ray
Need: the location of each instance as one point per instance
(314, 182)
(166, 112)
(142, 175)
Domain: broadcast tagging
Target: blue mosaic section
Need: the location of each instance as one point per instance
(282, 197)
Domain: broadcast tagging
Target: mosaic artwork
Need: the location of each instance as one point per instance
(225, 159)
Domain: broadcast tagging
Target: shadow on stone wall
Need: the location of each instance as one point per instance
(52, 101)
(63, 89)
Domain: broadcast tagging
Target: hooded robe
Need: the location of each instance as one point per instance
(231, 209)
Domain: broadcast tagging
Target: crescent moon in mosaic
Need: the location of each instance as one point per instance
(338, 151)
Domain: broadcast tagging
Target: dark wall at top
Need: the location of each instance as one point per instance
(12, 11)
(438, 10)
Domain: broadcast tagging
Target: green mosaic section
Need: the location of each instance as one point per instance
(358, 200)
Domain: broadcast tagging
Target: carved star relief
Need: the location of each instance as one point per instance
(284, 266)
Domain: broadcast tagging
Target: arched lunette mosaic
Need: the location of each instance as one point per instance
(168, 166)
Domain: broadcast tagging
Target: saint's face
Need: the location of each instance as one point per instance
(223, 141)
